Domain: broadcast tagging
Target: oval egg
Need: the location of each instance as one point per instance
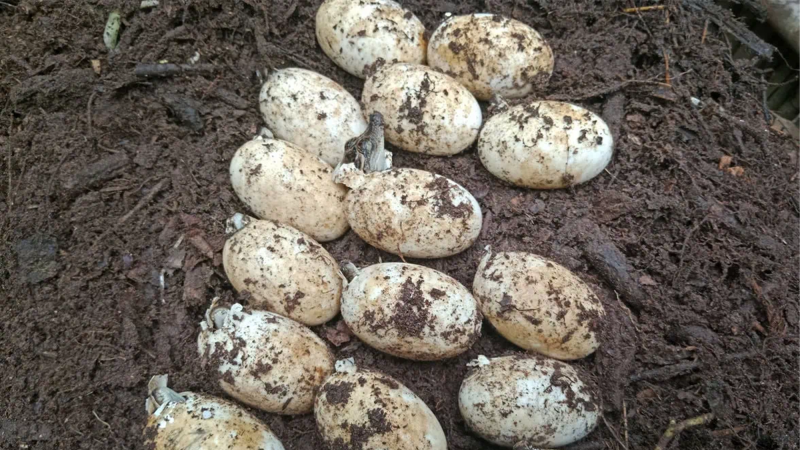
(414, 213)
(282, 182)
(263, 359)
(491, 54)
(311, 111)
(411, 311)
(425, 111)
(192, 421)
(368, 410)
(538, 305)
(527, 400)
(545, 145)
(355, 34)
(284, 270)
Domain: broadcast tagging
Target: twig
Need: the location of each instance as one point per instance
(685, 243)
(166, 70)
(675, 429)
(145, 200)
(705, 32)
(89, 118)
(625, 420)
(101, 420)
(643, 8)
(666, 372)
(614, 432)
(607, 90)
(666, 66)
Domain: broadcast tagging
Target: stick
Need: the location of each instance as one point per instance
(89, 118)
(166, 70)
(145, 200)
(614, 432)
(606, 90)
(666, 372)
(675, 429)
(705, 32)
(666, 65)
(643, 9)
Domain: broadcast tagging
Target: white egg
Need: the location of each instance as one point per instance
(263, 359)
(282, 182)
(411, 311)
(368, 410)
(311, 111)
(491, 54)
(514, 401)
(545, 145)
(189, 421)
(425, 111)
(356, 33)
(538, 305)
(413, 213)
(284, 270)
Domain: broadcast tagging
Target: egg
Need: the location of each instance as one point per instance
(545, 145)
(491, 54)
(263, 359)
(411, 311)
(311, 111)
(189, 421)
(425, 111)
(355, 34)
(368, 410)
(282, 182)
(411, 212)
(284, 271)
(513, 401)
(538, 305)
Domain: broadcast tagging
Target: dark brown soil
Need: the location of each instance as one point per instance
(103, 174)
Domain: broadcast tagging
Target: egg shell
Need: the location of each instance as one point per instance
(411, 311)
(538, 304)
(545, 145)
(356, 33)
(369, 410)
(528, 399)
(265, 360)
(491, 54)
(311, 111)
(414, 213)
(285, 271)
(425, 111)
(206, 422)
(282, 182)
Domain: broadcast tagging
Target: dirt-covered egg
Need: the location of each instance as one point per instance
(283, 270)
(411, 311)
(189, 421)
(311, 111)
(518, 401)
(538, 304)
(355, 34)
(425, 111)
(414, 213)
(263, 359)
(368, 410)
(545, 145)
(491, 54)
(282, 182)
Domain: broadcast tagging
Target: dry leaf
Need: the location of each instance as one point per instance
(338, 335)
(198, 239)
(725, 162)
(646, 280)
(735, 171)
(96, 66)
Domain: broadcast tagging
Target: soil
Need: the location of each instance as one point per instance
(113, 183)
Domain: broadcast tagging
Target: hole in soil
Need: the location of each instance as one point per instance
(733, 273)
